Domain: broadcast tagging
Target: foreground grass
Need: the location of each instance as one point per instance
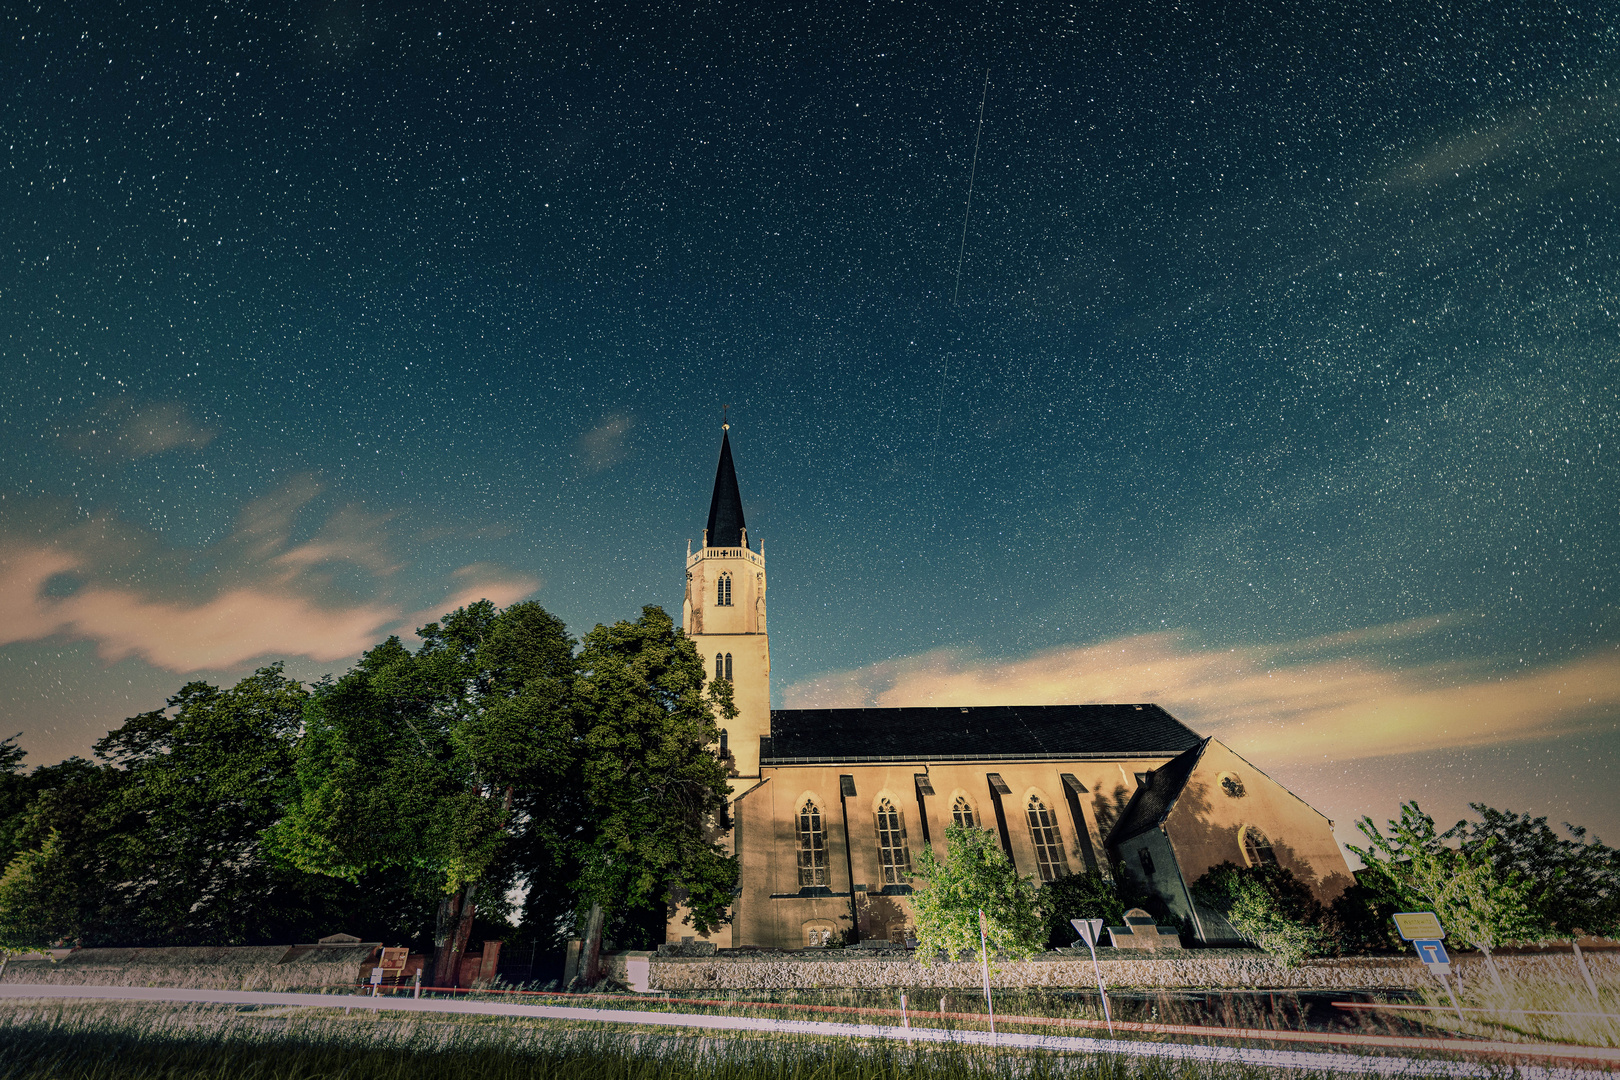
(123, 1042)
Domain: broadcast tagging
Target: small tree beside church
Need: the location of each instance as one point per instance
(975, 876)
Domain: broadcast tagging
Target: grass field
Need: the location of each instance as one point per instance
(124, 1042)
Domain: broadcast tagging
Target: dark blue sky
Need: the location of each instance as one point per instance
(1285, 351)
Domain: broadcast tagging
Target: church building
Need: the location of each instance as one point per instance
(830, 806)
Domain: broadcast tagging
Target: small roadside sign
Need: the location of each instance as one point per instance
(1415, 925)
(1433, 954)
(394, 960)
(1090, 930)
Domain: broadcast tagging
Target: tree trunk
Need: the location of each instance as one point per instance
(593, 946)
(463, 931)
(443, 927)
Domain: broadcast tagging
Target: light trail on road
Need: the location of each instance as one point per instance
(1318, 1061)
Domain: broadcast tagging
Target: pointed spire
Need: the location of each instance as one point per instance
(726, 525)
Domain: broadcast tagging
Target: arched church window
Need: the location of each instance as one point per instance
(728, 667)
(962, 813)
(1043, 829)
(719, 665)
(723, 591)
(893, 857)
(1257, 848)
(812, 846)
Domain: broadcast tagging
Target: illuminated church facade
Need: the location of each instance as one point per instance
(831, 806)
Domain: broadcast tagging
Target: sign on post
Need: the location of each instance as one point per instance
(1423, 930)
(1433, 954)
(1415, 925)
(1090, 930)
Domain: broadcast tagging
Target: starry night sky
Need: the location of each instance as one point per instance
(1280, 388)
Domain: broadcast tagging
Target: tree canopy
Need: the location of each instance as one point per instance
(974, 876)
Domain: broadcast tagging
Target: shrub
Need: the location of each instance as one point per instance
(1078, 896)
(1269, 906)
(975, 876)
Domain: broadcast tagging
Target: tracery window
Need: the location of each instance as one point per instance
(894, 860)
(723, 591)
(1257, 848)
(812, 846)
(1232, 785)
(728, 667)
(1043, 830)
(719, 665)
(962, 813)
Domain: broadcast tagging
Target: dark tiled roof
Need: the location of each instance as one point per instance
(993, 732)
(725, 506)
(1151, 803)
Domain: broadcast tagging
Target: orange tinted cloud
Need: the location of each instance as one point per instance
(1289, 702)
(264, 596)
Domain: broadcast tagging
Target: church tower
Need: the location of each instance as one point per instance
(724, 613)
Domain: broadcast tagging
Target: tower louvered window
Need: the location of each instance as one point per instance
(1043, 830)
(723, 591)
(894, 860)
(812, 847)
(962, 813)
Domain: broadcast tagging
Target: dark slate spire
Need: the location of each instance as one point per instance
(726, 523)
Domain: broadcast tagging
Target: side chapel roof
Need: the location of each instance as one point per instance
(1151, 803)
(726, 523)
(979, 733)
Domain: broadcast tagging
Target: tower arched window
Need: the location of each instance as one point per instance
(728, 667)
(723, 591)
(1043, 830)
(894, 859)
(719, 665)
(1257, 848)
(812, 846)
(962, 813)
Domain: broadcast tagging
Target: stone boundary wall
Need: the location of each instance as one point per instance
(1197, 969)
(249, 967)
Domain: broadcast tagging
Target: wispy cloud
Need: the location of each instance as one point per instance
(1304, 700)
(605, 444)
(263, 593)
(127, 429)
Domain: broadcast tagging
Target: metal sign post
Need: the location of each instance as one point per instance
(984, 955)
(1090, 932)
(1423, 930)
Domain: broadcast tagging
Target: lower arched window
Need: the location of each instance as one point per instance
(728, 666)
(719, 665)
(1043, 830)
(812, 847)
(962, 813)
(1257, 849)
(894, 860)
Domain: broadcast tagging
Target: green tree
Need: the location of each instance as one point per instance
(1269, 906)
(1078, 896)
(1475, 901)
(974, 876)
(1573, 883)
(424, 765)
(656, 792)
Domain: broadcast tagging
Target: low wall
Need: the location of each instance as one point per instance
(266, 967)
(1193, 969)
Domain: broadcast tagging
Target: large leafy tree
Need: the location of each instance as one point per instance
(159, 843)
(1573, 883)
(425, 765)
(1476, 900)
(974, 876)
(656, 791)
